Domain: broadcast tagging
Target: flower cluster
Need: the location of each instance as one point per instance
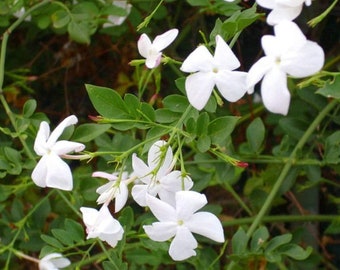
(288, 52)
(156, 184)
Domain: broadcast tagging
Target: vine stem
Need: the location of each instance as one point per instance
(260, 217)
(282, 218)
(290, 162)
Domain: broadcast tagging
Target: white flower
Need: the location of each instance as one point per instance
(53, 261)
(118, 20)
(152, 51)
(116, 188)
(213, 70)
(51, 170)
(181, 221)
(283, 10)
(102, 224)
(288, 52)
(157, 177)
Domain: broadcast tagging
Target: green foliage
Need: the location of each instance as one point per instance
(252, 164)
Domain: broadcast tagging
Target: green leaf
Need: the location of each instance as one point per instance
(296, 252)
(202, 124)
(126, 218)
(220, 128)
(132, 104)
(79, 32)
(75, 229)
(333, 228)
(331, 89)
(29, 108)
(63, 236)
(60, 19)
(332, 148)
(88, 9)
(294, 127)
(278, 241)
(166, 116)
(196, 3)
(255, 135)
(260, 236)
(176, 103)
(180, 84)
(106, 101)
(203, 143)
(239, 242)
(51, 241)
(87, 132)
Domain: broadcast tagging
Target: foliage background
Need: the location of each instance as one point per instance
(45, 64)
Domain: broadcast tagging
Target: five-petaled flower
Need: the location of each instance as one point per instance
(157, 177)
(102, 224)
(288, 52)
(115, 188)
(209, 71)
(53, 261)
(51, 170)
(283, 10)
(180, 221)
(152, 51)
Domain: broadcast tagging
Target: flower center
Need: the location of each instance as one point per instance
(180, 222)
(278, 60)
(215, 70)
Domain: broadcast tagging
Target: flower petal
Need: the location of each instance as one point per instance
(40, 143)
(58, 173)
(106, 223)
(258, 70)
(153, 60)
(68, 121)
(188, 202)
(108, 176)
(53, 261)
(283, 13)
(121, 196)
(304, 62)
(198, 60)
(183, 245)
(155, 155)
(39, 173)
(270, 4)
(164, 40)
(90, 216)
(231, 84)
(224, 56)
(206, 224)
(175, 182)
(161, 210)
(141, 170)
(199, 87)
(60, 262)
(289, 36)
(144, 45)
(274, 91)
(138, 193)
(64, 147)
(160, 231)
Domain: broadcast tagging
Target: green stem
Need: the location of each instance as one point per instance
(282, 218)
(290, 162)
(75, 210)
(20, 224)
(148, 18)
(230, 189)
